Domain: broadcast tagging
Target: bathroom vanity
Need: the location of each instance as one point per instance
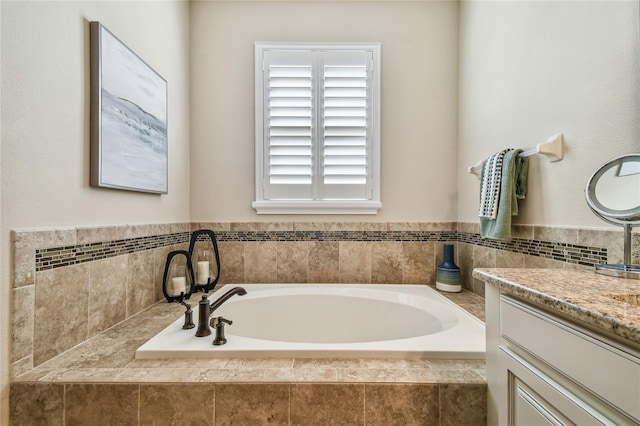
(563, 347)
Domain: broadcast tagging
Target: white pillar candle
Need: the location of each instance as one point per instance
(203, 272)
(178, 285)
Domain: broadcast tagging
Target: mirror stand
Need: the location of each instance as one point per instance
(626, 269)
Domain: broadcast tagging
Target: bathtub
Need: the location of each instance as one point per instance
(329, 321)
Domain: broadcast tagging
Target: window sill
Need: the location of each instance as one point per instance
(316, 207)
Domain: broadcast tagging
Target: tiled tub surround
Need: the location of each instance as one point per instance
(125, 264)
(102, 374)
(114, 272)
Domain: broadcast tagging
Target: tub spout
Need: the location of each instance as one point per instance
(205, 309)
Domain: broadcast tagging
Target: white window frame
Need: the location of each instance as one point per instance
(372, 204)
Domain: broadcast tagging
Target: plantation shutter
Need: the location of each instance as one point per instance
(289, 127)
(345, 125)
(317, 125)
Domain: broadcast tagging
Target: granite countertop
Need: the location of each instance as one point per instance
(602, 302)
(109, 357)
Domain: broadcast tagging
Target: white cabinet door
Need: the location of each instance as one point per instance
(534, 395)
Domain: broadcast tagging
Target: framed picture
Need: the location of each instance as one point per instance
(128, 118)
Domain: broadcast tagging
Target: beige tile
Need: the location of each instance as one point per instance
(97, 234)
(212, 226)
(107, 293)
(386, 262)
(464, 297)
(298, 375)
(28, 375)
(25, 243)
(277, 226)
(404, 226)
(356, 226)
(231, 262)
(102, 351)
(252, 404)
(509, 259)
(176, 404)
(464, 260)
(245, 226)
(471, 228)
(153, 375)
(478, 287)
(355, 262)
(173, 363)
(401, 405)
(260, 262)
(475, 310)
(293, 259)
(438, 226)
(484, 257)
(36, 404)
(141, 291)
(456, 364)
(224, 375)
(21, 366)
(418, 263)
(323, 404)
(110, 404)
(556, 234)
(524, 232)
(308, 226)
(462, 404)
(83, 375)
(62, 301)
(542, 262)
(432, 376)
(244, 363)
(179, 227)
(23, 305)
(324, 262)
(612, 240)
(136, 231)
(372, 375)
(302, 363)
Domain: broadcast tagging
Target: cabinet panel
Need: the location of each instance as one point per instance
(533, 394)
(530, 410)
(592, 363)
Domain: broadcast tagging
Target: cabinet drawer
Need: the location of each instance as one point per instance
(612, 373)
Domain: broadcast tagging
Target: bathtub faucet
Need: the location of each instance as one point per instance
(205, 309)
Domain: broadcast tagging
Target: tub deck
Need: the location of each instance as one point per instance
(104, 367)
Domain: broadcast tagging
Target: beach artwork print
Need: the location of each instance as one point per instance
(128, 118)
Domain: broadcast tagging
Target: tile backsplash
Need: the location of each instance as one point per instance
(85, 280)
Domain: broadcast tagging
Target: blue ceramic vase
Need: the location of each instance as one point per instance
(448, 274)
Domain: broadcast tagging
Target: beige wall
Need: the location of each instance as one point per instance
(45, 120)
(419, 100)
(529, 70)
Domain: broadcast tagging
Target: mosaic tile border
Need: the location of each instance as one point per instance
(56, 257)
(564, 252)
(254, 236)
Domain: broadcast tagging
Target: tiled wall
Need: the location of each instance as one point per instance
(70, 284)
(539, 247)
(84, 280)
(223, 404)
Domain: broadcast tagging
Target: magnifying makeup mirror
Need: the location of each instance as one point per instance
(613, 194)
